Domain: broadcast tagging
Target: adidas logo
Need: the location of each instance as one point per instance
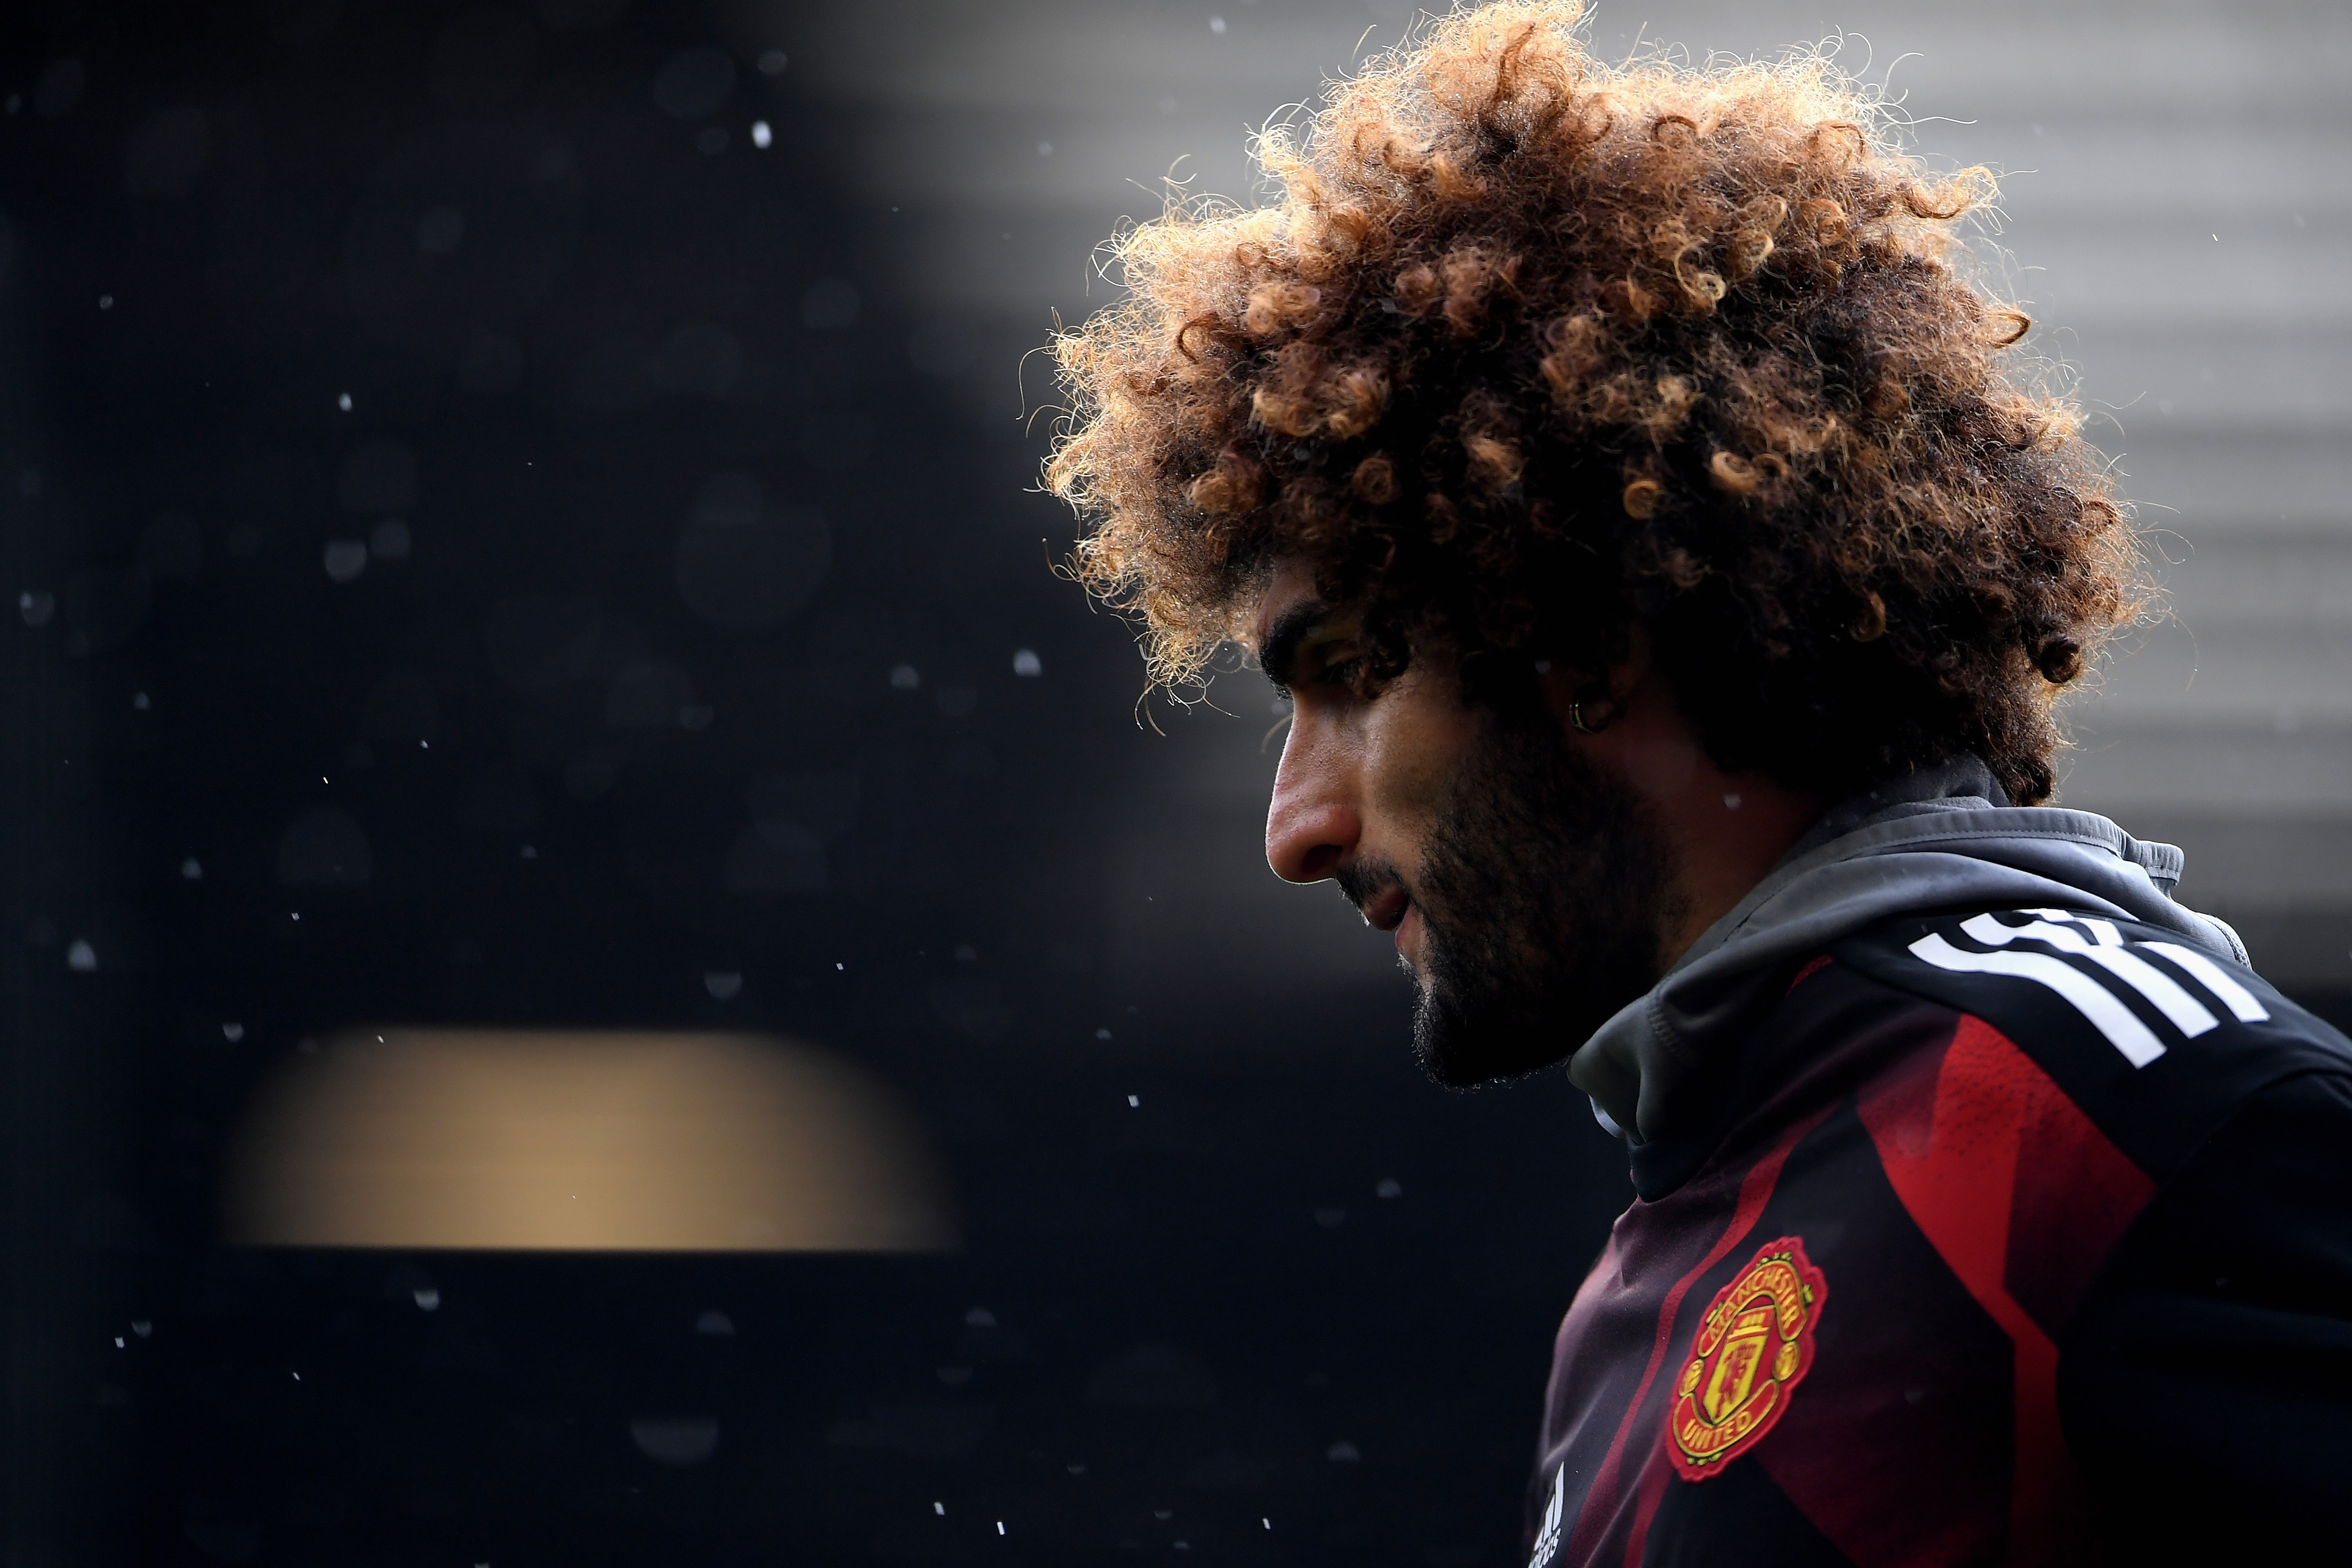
(2177, 989)
(1548, 1539)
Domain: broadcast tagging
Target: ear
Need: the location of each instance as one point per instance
(1631, 673)
(1599, 697)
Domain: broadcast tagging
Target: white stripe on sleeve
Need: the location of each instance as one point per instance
(2119, 1023)
(2104, 930)
(2189, 1015)
(2211, 977)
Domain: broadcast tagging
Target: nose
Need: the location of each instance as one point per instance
(1312, 823)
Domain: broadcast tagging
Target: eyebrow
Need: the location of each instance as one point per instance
(1280, 649)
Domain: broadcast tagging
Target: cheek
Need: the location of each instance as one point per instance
(1413, 753)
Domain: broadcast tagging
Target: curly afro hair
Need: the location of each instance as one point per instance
(1532, 350)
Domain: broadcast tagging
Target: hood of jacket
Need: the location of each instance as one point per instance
(1941, 838)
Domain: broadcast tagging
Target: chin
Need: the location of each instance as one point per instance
(1539, 890)
(1460, 1049)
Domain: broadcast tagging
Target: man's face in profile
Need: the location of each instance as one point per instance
(1526, 885)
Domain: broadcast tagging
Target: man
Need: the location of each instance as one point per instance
(1618, 469)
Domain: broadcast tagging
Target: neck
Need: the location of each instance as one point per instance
(1725, 850)
(1726, 829)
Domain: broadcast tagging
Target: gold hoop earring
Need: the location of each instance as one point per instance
(1576, 719)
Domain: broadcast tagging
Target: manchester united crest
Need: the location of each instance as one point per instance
(1753, 1347)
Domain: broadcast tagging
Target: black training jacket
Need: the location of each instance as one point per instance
(2019, 1236)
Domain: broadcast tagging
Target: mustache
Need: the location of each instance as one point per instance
(1364, 880)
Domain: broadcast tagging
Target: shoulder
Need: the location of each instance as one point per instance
(2157, 1042)
(2130, 1155)
(2134, 1152)
(2206, 1382)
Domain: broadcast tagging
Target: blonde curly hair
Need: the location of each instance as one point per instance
(1531, 348)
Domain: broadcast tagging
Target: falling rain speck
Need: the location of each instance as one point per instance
(345, 559)
(440, 231)
(678, 1443)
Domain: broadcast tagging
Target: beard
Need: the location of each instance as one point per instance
(1543, 890)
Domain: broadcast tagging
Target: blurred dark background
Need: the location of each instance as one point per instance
(527, 517)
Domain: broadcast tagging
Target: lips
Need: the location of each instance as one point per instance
(1386, 911)
(1408, 936)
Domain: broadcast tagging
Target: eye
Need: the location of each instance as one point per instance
(1330, 659)
(1340, 665)
(1342, 671)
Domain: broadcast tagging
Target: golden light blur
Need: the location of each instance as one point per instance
(581, 1142)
